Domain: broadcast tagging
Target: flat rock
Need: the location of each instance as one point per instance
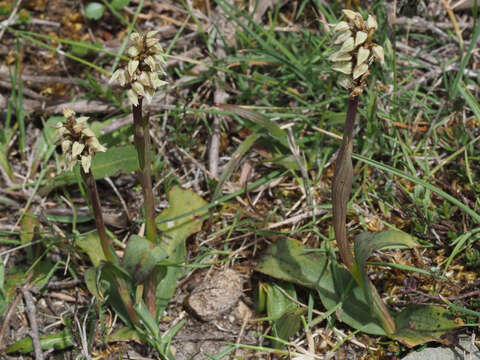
(216, 295)
(442, 353)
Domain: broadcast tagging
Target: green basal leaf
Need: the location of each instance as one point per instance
(167, 285)
(287, 326)
(419, 324)
(90, 278)
(124, 334)
(176, 229)
(148, 320)
(366, 243)
(278, 304)
(91, 244)
(141, 256)
(340, 293)
(289, 260)
(180, 227)
(59, 341)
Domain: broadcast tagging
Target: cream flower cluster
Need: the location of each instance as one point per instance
(355, 51)
(146, 63)
(79, 142)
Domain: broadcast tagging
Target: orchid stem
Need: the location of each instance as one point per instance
(142, 143)
(341, 188)
(342, 185)
(106, 243)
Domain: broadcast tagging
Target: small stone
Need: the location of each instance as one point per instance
(217, 295)
(243, 312)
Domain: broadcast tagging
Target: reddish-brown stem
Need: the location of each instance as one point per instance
(342, 185)
(142, 143)
(94, 199)
(106, 243)
(341, 188)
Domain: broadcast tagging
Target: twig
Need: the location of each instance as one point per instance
(30, 307)
(64, 284)
(10, 313)
(10, 20)
(420, 23)
(25, 91)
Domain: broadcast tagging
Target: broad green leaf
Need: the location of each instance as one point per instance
(148, 321)
(114, 161)
(282, 311)
(124, 334)
(90, 243)
(289, 260)
(366, 243)
(141, 256)
(90, 277)
(287, 326)
(418, 324)
(175, 227)
(167, 285)
(94, 11)
(109, 279)
(277, 303)
(340, 293)
(59, 341)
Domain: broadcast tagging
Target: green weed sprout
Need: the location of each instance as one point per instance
(354, 55)
(141, 77)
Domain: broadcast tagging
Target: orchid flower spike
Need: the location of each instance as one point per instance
(78, 142)
(355, 51)
(141, 75)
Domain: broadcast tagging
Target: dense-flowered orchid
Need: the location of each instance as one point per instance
(142, 74)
